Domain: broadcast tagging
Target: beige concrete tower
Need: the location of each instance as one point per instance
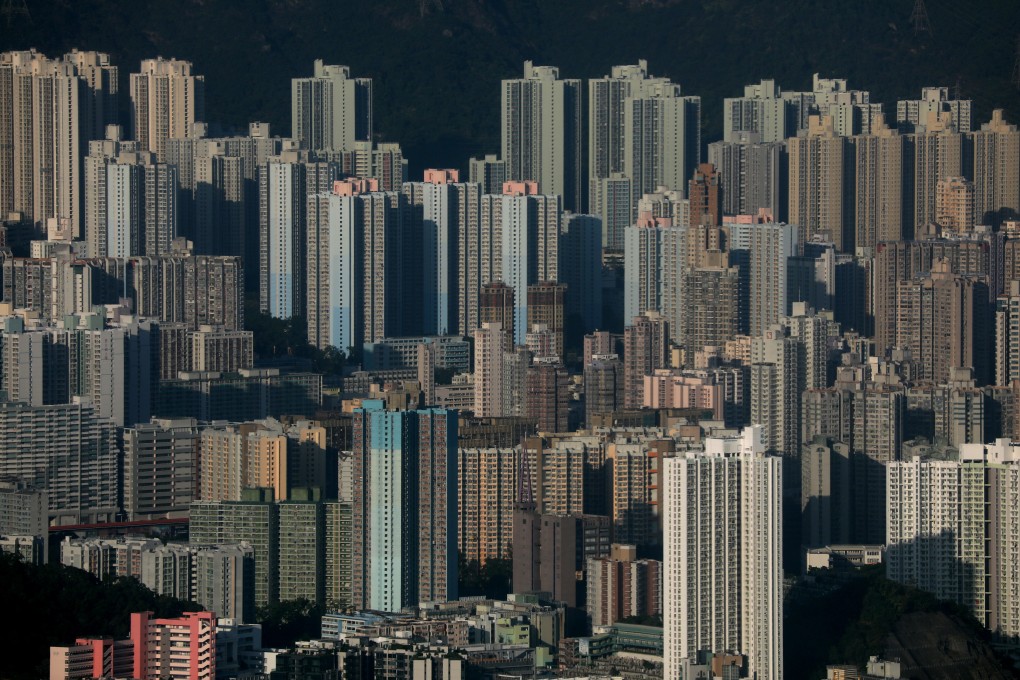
(996, 170)
(166, 102)
(819, 184)
(878, 186)
(935, 155)
(954, 203)
(47, 114)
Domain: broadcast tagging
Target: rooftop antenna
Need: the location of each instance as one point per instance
(13, 8)
(919, 18)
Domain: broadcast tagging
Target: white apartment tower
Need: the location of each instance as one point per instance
(353, 271)
(450, 213)
(131, 205)
(761, 115)
(768, 245)
(519, 243)
(541, 133)
(285, 184)
(912, 114)
(166, 102)
(662, 139)
(330, 111)
(953, 529)
(722, 554)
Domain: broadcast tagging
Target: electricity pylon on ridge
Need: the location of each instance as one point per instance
(919, 19)
(423, 5)
(1016, 65)
(13, 8)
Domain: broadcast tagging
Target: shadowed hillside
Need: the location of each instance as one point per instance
(436, 75)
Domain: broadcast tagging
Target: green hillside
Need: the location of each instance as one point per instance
(436, 75)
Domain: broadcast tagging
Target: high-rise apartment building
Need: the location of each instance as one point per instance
(160, 468)
(490, 346)
(722, 566)
(904, 261)
(952, 531)
(288, 184)
(542, 134)
(943, 319)
(612, 200)
(167, 100)
(995, 170)
(580, 269)
(355, 246)
(753, 176)
(448, 247)
(520, 243)
(878, 191)
(662, 138)
(496, 305)
(218, 191)
(933, 155)
(607, 119)
(131, 205)
(1007, 335)
(68, 451)
(603, 386)
(621, 586)
(24, 509)
(297, 544)
(174, 648)
(762, 114)
(634, 469)
(775, 390)
(705, 196)
(405, 504)
(546, 309)
(645, 348)
(820, 184)
(851, 110)
(764, 248)
(489, 172)
(487, 490)
(954, 203)
(612, 193)
(547, 398)
(912, 114)
(52, 110)
(849, 484)
(656, 261)
(551, 550)
(331, 110)
(712, 314)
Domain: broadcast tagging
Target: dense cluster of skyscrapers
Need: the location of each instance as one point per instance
(654, 377)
